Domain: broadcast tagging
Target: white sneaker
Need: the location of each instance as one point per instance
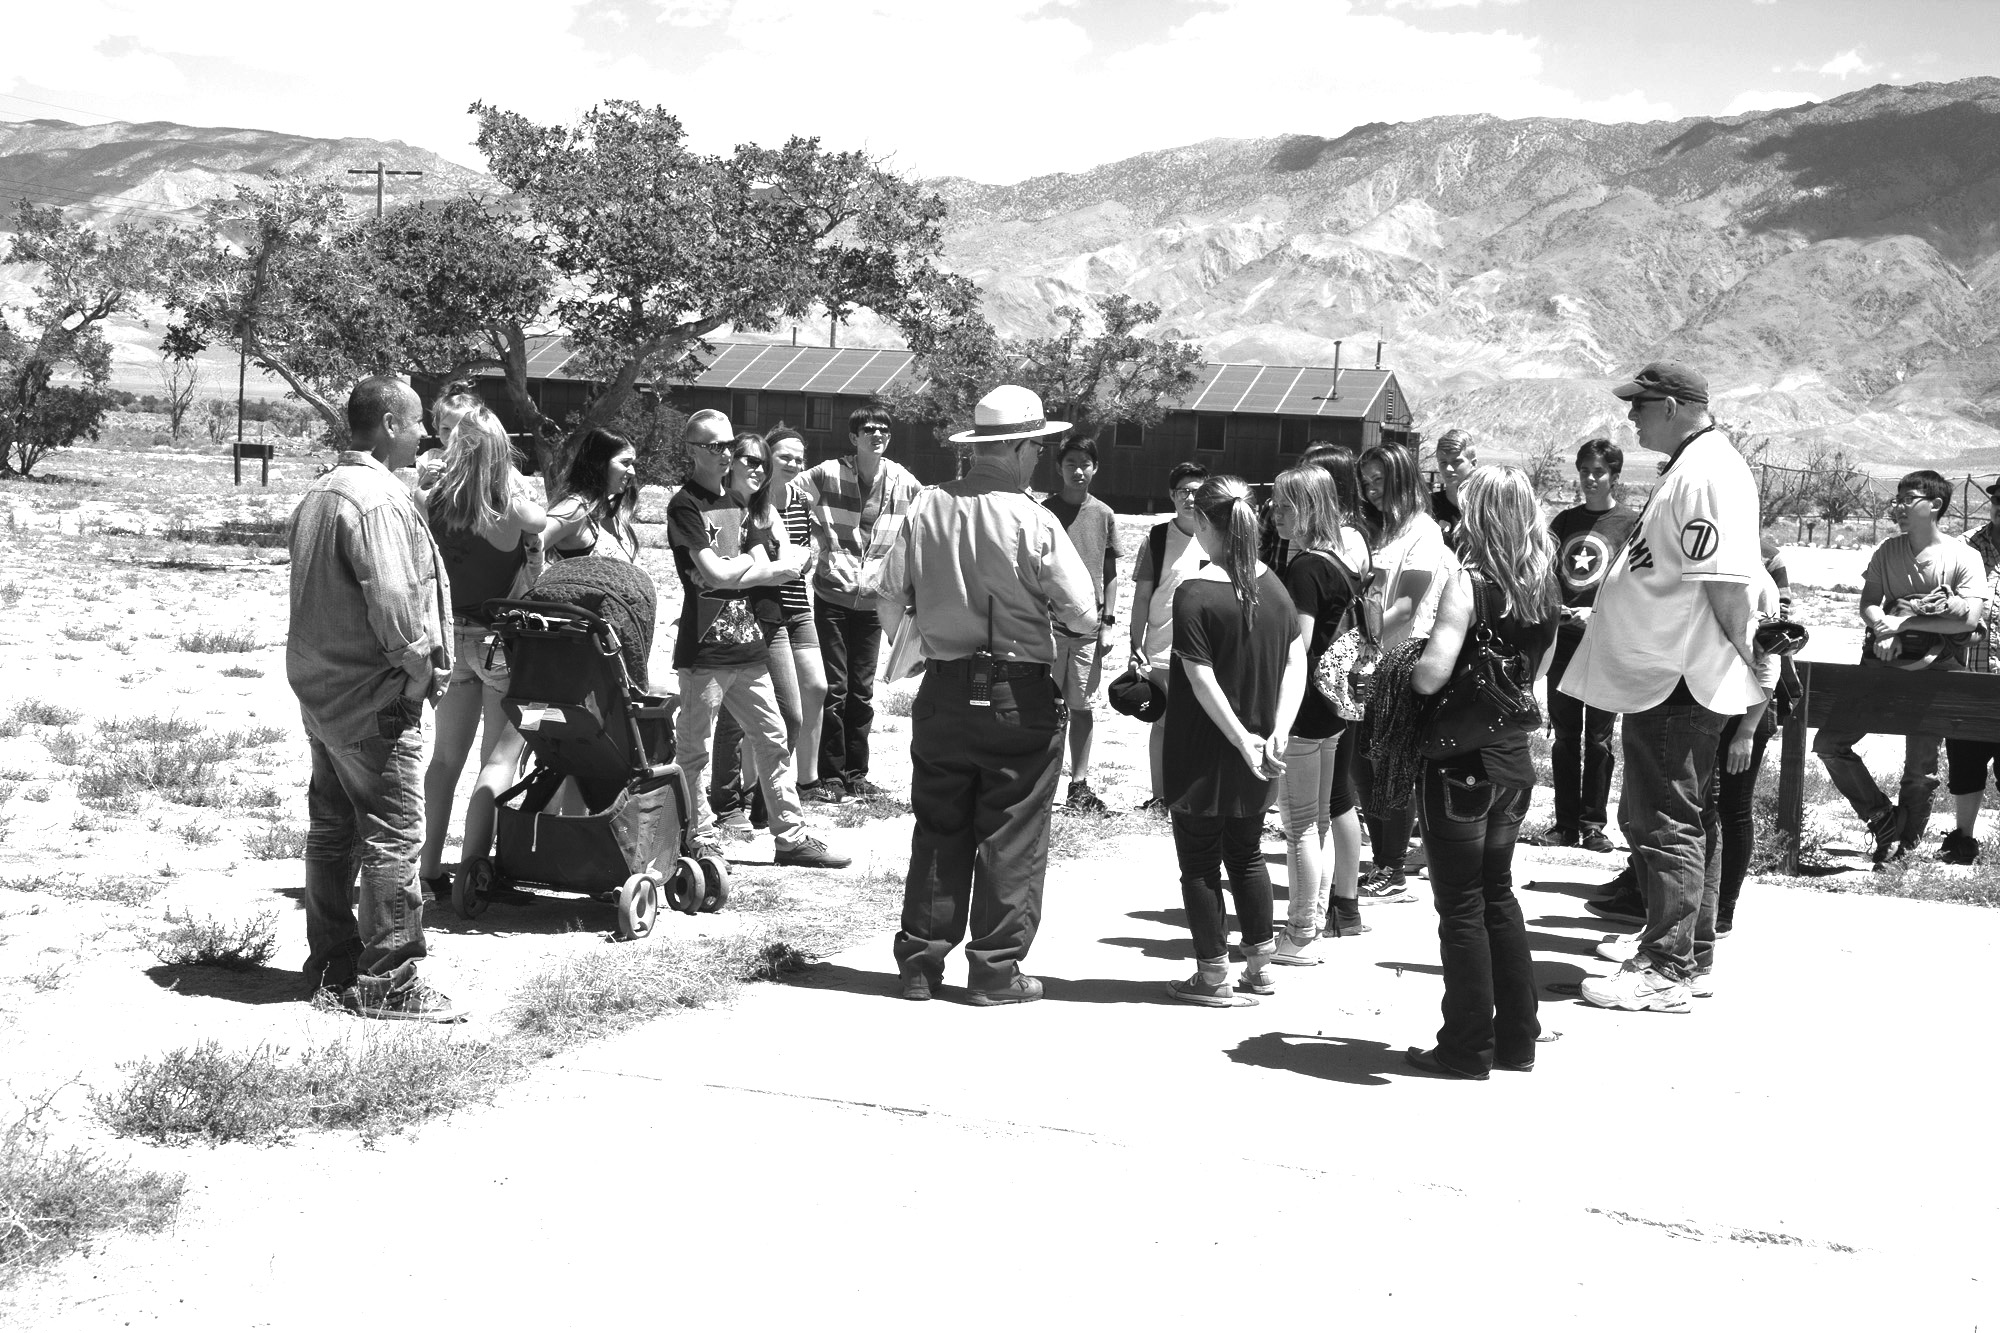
(1292, 951)
(1637, 987)
(736, 824)
(1619, 948)
(1702, 985)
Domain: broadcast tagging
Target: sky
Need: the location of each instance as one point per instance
(994, 90)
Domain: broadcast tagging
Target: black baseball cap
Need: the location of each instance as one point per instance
(1666, 379)
(1137, 696)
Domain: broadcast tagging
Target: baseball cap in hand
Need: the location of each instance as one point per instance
(1666, 379)
(1136, 696)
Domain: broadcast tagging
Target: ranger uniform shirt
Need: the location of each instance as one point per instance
(1652, 626)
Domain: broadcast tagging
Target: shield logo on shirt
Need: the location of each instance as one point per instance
(1698, 539)
(1583, 561)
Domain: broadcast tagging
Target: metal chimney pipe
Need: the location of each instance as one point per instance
(1378, 355)
(1335, 391)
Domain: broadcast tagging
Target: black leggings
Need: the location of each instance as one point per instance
(1388, 828)
(1341, 799)
(1735, 809)
(1205, 844)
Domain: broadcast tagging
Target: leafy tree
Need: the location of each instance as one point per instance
(1093, 380)
(655, 247)
(87, 276)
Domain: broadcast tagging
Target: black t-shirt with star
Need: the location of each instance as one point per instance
(1587, 541)
(718, 629)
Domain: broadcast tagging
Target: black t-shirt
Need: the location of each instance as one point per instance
(1587, 542)
(1204, 775)
(1319, 589)
(1445, 510)
(1506, 761)
(723, 628)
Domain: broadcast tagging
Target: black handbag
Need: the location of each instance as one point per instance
(1491, 693)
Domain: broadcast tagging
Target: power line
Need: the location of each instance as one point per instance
(16, 97)
(380, 172)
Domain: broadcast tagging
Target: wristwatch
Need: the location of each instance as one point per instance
(1106, 619)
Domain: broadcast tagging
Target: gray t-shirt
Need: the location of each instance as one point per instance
(1093, 531)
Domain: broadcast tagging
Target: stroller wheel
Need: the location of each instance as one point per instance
(469, 889)
(715, 883)
(686, 889)
(638, 906)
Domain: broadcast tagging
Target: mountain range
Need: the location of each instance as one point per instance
(1834, 267)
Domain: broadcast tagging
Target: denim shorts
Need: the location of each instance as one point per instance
(471, 642)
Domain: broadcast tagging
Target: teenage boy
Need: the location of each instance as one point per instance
(1093, 531)
(1456, 457)
(1967, 761)
(728, 596)
(1588, 538)
(855, 505)
(1923, 602)
(1170, 554)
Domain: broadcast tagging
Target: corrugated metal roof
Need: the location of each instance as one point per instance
(1221, 386)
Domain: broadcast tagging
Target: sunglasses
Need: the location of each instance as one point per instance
(750, 461)
(710, 446)
(873, 430)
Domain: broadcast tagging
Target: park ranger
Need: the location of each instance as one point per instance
(982, 569)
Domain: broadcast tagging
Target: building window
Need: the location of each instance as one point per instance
(1211, 433)
(1128, 435)
(1293, 436)
(819, 414)
(743, 411)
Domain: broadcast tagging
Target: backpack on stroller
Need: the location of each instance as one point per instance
(576, 650)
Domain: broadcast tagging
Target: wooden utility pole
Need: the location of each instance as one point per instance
(381, 173)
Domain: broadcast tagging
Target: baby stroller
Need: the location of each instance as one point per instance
(576, 648)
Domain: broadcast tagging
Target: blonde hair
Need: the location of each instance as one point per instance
(1315, 504)
(476, 485)
(1503, 538)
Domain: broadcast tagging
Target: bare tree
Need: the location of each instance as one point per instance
(1833, 487)
(1547, 465)
(180, 377)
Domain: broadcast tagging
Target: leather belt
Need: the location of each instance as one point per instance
(959, 668)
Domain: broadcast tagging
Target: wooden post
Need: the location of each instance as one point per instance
(242, 369)
(1792, 775)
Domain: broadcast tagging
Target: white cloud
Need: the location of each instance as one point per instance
(1443, 4)
(1845, 65)
(1759, 100)
(996, 89)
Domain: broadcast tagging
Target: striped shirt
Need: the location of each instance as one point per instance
(853, 532)
(798, 528)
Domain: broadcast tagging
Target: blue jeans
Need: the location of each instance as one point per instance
(850, 641)
(1906, 818)
(1470, 825)
(1668, 816)
(366, 806)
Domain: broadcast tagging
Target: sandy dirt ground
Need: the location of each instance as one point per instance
(1109, 1109)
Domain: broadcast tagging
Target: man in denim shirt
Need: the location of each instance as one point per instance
(369, 642)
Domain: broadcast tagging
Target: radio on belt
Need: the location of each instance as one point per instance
(982, 679)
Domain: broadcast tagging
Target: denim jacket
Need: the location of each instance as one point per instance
(369, 599)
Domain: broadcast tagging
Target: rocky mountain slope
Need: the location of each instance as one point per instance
(1832, 266)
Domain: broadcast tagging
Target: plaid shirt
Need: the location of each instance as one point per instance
(1979, 652)
(834, 501)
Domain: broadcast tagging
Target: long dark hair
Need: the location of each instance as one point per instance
(1225, 503)
(1402, 489)
(589, 479)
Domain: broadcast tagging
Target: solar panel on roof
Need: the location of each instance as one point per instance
(1269, 390)
(1222, 393)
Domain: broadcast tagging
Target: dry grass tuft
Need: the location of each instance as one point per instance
(277, 841)
(205, 941)
(218, 641)
(595, 992)
(52, 1201)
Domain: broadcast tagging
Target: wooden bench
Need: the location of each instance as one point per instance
(1956, 704)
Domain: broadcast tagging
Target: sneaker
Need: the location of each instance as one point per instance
(1636, 987)
(1023, 989)
(1619, 948)
(760, 818)
(701, 847)
(1959, 848)
(1155, 806)
(1291, 950)
(736, 824)
(1620, 907)
(373, 997)
(1886, 849)
(1723, 929)
(1384, 885)
(863, 787)
(436, 888)
(1214, 994)
(1084, 801)
(1595, 841)
(1553, 836)
(827, 792)
(813, 854)
(1702, 985)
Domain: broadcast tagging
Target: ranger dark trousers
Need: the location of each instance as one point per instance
(981, 784)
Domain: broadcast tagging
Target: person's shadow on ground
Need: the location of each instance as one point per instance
(244, 985)
(1568, 888)
(1180, 950)
(1061, 990)
(1337, 1059)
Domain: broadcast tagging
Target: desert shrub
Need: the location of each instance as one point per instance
(197, 834)
(206, 941)
(125, 890)
(218, 641)
(53, 1200)
(64, 746)
(41, 713)
(594, 992)
(168, 757)
(240, 672)
(277, 841)
(374, 1085)
(10, 592)
(85, 634)
(154, 728)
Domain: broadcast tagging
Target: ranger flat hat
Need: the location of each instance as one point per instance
(1010, 412)
(1666, 379)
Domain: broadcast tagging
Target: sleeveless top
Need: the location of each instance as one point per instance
(478, 570)
(1506, 760)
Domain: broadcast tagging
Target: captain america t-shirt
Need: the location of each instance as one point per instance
(1587, 541)
(719, 628)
